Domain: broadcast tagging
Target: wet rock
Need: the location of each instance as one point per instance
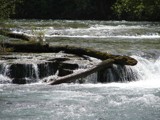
(59, 59)
(69, 66)
(47, 69)
(23, 80)
(8, 58)
(32, 71)
(116, 73)
(106, 71)
(21, 71)
(64, 72)
(19, 81)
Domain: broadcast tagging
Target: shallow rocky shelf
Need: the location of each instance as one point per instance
(59, 64)
(24, 68)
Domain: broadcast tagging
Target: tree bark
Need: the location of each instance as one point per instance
(73, 77)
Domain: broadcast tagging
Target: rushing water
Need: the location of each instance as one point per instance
(137, 100)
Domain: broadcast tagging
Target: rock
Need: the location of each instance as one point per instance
(68, 66)
(47, 68)
(21, 71)
(32, 71)
(44, 69)
(19, 81)
(59, 59)
(116, 73)
(64, 72)
(23, 80)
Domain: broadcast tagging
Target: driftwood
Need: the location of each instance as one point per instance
(72, 77)
(38, 48)
(8, 33)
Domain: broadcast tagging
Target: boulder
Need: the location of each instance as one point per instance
(64, 72)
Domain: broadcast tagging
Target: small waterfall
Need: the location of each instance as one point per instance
(36, 71)
(117, 73)
(4, 70)
(22, 73)
(147, 69)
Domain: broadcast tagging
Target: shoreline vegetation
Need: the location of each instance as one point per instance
(130, 10)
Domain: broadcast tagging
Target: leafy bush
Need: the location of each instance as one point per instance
(137, 9)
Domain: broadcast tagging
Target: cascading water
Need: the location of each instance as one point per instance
(117, 73)
(147, 69)
(135, 100)
(4, 70)
(148, 72)
(35, 68)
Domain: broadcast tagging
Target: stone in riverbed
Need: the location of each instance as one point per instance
(47, 69)
(21, 71)
(64, 72)
(69, 66)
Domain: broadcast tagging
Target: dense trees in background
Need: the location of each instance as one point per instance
(65, 9)
(81, 9)
(137, 9)
(7, 8)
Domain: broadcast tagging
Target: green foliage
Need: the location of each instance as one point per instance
(81, 9)
(137, 9)
(7, 8)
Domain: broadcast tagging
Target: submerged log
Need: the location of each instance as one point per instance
(8, 33)
(73, 77)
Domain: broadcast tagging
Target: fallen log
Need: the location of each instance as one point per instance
(107, 59)
(8, 33)
(119, 59)
(73, 77)
(38, 48)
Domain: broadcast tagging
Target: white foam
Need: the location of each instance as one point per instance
(4, 79)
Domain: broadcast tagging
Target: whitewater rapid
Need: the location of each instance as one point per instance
(134, 100)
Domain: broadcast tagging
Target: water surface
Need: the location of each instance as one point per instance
(137, 100)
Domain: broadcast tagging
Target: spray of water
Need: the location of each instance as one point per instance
(35, 68)
(4, 70)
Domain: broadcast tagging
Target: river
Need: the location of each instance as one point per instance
(136, 100)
